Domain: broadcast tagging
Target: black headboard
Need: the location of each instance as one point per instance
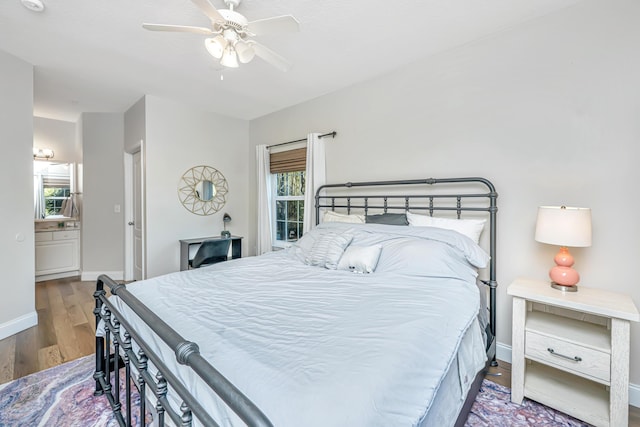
(469, 196)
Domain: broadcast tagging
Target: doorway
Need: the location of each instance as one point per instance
(134, 216)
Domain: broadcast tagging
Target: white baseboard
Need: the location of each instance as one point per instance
(91, 276)
(18, 324)
(57, 275)
(503, 352)
(634, 395)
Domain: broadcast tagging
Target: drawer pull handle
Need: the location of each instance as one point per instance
(574, 358)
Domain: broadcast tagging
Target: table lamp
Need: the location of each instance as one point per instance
(225, 219)
(565, 227)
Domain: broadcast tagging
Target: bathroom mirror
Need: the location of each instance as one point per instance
(202, 190)
(53, 188)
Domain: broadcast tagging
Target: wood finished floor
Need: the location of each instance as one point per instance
(65, 332)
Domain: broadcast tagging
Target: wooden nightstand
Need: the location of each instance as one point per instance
(571, 350)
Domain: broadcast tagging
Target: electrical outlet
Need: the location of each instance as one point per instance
(116, 208)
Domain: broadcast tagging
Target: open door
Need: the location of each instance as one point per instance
(134, 239)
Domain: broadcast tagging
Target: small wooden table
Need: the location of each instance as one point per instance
(189, 247)
(570, 350)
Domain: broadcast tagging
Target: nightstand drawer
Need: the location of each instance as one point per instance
(592, 364)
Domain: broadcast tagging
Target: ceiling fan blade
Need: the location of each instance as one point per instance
(178, 28)
(208, 9)
(275, 25)
(270, 56)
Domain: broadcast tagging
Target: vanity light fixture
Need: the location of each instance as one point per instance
(42, 153)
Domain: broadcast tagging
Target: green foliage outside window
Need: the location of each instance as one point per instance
(53, 198)
(289, 205)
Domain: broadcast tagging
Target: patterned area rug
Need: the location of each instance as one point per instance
(63, 396)
(493, 408)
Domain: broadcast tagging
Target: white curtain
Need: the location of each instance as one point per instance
(263, 241)
(316, 175)
(38, 193)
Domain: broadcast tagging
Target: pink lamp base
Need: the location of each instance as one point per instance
(563, 277)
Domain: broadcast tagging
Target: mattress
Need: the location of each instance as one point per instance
(319, 347)
(455, 385)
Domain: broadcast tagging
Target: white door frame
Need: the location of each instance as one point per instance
(129, 252)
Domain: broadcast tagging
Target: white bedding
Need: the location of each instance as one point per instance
(318, 347)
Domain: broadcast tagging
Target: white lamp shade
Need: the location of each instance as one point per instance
(245, 52)
(215, 46)
(229, 57)
(564, 226)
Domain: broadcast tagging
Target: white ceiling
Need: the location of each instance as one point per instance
(93, 55)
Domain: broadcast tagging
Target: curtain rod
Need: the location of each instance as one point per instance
(331, 134)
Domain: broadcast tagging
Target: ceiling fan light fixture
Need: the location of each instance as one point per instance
(33, 5)
(230, 35)
(245, 52)
(229, 57)
(216, 46)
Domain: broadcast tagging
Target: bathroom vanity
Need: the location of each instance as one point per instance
(57, 243)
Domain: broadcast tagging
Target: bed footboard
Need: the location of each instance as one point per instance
(114, 332)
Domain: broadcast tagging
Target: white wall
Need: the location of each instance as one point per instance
(179, 137)
(58, 135)
(103, 182)
(134, 126)
(548, 111)
(17, 263)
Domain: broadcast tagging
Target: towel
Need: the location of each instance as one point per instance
(68, 208)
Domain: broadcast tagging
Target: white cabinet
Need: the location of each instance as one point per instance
(57, 252)
(571, 350)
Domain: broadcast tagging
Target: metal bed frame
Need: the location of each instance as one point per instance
(133, 354)
(431, 202)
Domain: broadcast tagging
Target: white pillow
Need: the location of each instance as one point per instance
(331, 216)
(472, 228)
(424, 257)
(327, 249)
(360, 259)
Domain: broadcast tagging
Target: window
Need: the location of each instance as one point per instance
(288, 180)
(289, 206)
(54, 196)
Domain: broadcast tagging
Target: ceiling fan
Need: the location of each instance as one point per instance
(232, 34)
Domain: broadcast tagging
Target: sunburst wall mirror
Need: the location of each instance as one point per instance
(203, 190)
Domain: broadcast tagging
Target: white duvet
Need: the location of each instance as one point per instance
(318, 347)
